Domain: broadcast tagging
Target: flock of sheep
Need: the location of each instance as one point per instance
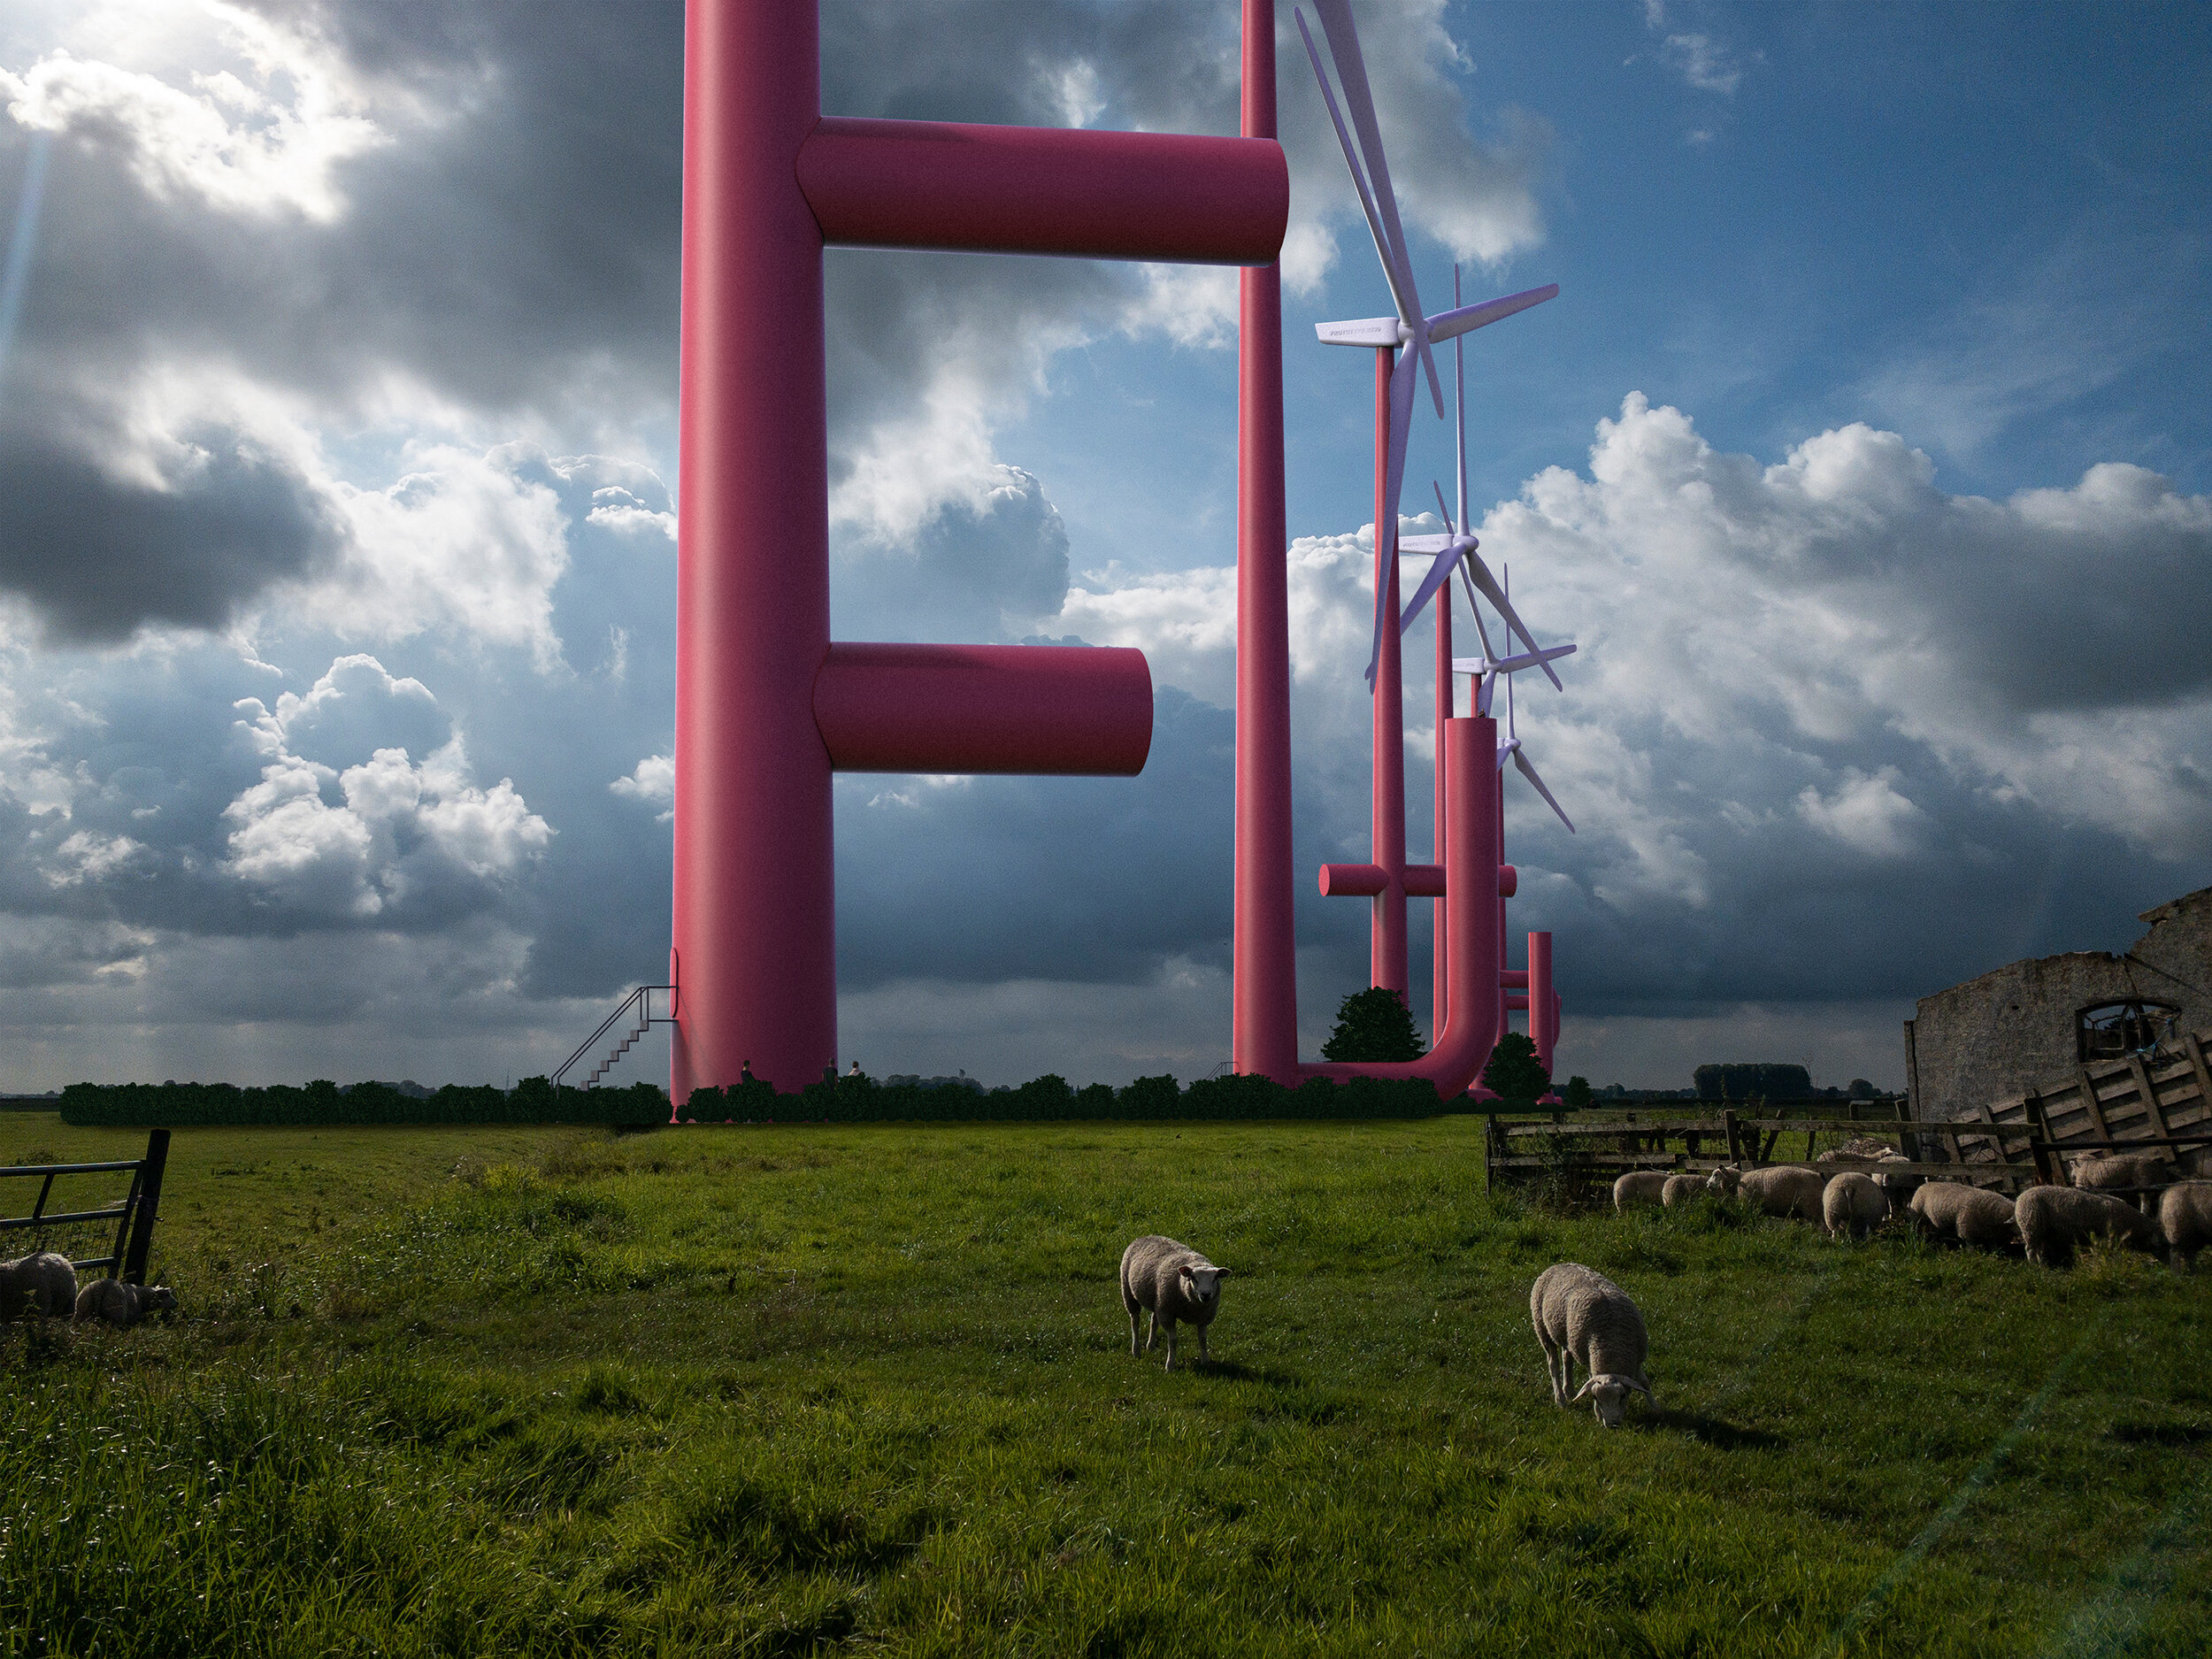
(1584, 1319)
(2048, 1223)
(46, 1284)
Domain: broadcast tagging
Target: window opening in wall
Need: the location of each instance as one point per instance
(2112, 1031)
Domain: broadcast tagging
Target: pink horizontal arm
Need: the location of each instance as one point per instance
(1422, 881)
(1029, 709)
(1168, 197)
(1353, 881)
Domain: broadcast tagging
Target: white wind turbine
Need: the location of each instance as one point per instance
(1511, 748)
(1411, 327)
(1457, 548)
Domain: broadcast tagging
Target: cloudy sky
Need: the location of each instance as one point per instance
(1865, 454)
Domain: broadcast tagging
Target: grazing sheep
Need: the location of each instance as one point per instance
(2114, 1173)
(1852, 1203)
(1174, 1283)
(44, 1283)
(1680, 1189)
(1899, 1187)
(1863, 1146)
(1581, 1316)
(115, 1303)
(1785, 1190)
(2053, 1220)
(1724, 1180)
(1952, 1212)
(1640, 1187)
(2184, 1216)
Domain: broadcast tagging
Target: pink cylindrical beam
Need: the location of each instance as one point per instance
(1543, 1010)
(1439, 969)
(1263, 995)
(1026, 709)
(1176, 197)
(1471, 1031)
(1499, 917)
(752, 775)
(1353, 881)
(1422, 881)
(1386, 807)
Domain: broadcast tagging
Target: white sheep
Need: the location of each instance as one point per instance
(1853, 1203)
(1174, 1283)
(1899, 1187)
(115, 1303)
(1783, 1190)
(2118, 1172)
(1953, 1212)
(2053, 1220)
(43, 1283)
(1724, 1181)
(1583, 1318)
(1641, 1186)
(1680, 1189)
(2184, 1217)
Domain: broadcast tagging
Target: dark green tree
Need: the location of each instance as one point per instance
(1374, 1025)
(1578, 1092)
(1860, 1089)
(1515, 1073)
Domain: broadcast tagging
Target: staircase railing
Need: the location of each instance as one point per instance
(637, 1010)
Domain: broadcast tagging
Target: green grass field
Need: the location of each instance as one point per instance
(792, 1390)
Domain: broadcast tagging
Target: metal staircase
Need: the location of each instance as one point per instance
(635, 1016)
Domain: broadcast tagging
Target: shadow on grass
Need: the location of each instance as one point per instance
(2160, 1433)
(1712, 1432)
(1235, 1370)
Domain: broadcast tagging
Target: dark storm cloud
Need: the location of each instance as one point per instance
(99, 555)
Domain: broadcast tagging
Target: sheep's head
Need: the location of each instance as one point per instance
(1608, 1394)
(1724, 1179)
(1202, 1283)
(158, 1298)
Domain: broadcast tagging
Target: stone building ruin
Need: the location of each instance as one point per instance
(2031, 1024)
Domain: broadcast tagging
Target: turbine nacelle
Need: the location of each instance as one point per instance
(1374, 332)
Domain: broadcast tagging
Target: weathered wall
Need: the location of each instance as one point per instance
(2012, 1030)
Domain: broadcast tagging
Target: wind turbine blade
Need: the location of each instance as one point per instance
(1401, 379)
(1459, 399)
(1359, 99)
(1466, 318)
(1359, 178)
(1407, 305)
(1511, 730)
(1529, 772)
(1442, 508)
(1535, 659)
(1487, 585)
(1439, 572)
(1428, 362)
(1481, 632)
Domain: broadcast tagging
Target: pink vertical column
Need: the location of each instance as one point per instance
(1543, 1008)
(1439, 996)
(755, 910)
(1504, 1018)
(1386, 941)
(1265, 994)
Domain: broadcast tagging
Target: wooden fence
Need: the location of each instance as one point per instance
(2160, 1099)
